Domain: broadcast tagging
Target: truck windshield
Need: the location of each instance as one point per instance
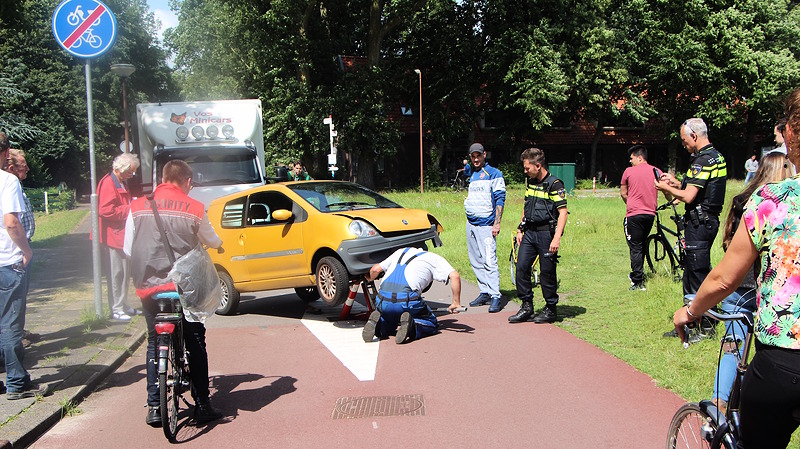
(333, 196)
(220, 166)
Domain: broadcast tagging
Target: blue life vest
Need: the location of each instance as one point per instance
(395, 288)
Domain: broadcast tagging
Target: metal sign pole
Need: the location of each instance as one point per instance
(96, 266)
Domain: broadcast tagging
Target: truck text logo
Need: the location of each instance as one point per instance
(178, 119)
(207, 117)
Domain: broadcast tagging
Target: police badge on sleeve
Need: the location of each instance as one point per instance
(562, 193)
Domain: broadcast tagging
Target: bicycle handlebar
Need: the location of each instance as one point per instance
(747, 317)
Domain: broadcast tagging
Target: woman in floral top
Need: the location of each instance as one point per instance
(771, 386)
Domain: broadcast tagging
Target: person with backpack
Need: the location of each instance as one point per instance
(409, 273)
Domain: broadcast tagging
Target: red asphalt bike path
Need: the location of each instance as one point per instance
(484, 383)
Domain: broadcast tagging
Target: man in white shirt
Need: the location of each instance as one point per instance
(15, 255)
(410, 272)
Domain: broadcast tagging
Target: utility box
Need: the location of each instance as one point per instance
(565, 171)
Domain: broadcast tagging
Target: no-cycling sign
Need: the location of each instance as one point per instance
(84, 28)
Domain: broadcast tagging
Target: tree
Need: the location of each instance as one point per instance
(53, 84)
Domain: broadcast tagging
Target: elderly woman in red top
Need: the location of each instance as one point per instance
(114, 202)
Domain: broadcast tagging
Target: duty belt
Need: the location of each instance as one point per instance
(539, 227)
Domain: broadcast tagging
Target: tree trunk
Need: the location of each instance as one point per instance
(366, 172)
(672, 156)
(598, 132)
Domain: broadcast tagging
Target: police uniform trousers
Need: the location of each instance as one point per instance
(699, 238)
(537, 243)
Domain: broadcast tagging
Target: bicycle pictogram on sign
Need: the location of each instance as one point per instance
(84, 28)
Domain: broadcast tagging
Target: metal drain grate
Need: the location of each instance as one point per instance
(368, 406)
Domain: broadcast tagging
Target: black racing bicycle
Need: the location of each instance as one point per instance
(703, 425)
(665, 255)
(173, 361)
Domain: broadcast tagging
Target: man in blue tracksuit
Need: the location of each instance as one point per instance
(484, 208)
(410, 272)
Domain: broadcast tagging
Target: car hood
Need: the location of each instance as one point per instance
(392, 220)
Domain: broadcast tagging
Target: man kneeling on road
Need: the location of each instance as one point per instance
(410, 272)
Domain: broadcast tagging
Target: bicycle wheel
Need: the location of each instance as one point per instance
(168, 386)
(691, 428)
(658, 255)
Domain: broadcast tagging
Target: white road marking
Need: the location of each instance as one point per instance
(345, 343)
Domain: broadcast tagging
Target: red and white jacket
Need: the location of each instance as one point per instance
(186, 226)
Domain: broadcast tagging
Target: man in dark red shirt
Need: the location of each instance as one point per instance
(638, 191)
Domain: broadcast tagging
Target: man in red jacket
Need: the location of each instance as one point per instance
(114, 202)
(186, 225)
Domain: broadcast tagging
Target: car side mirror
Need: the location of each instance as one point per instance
(281, 215)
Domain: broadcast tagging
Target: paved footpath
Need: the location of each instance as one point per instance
(72, 354)
(280, 381)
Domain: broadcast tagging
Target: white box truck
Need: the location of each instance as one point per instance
(223, 142)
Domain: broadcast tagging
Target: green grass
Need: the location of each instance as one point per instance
(595, 303)
(51, 228)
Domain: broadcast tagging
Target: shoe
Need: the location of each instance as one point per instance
(205, 412)
(496, 305)
(369, 328)
(31, 391)
(721, 405)
(639, 286)
(671, 334)
(481, 300)
(523, 314)
(120, 316)
(133, 312)
(547, 315)
(406, 329)
(697, 335)
(2, 388)
(153, 418)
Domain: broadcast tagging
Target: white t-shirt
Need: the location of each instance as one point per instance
(422, 270)
(11, 201)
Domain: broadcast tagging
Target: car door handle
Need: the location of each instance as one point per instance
(241, 239)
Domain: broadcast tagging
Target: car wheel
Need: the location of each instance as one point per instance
(230, 296)
(307, 294)
(332, 281)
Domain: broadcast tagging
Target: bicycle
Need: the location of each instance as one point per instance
(460, 181)
(512, 258)
(703, 425)
(173, 361)
(662, 256)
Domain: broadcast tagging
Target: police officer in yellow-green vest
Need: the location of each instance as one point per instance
(539, 234)
(703, 193)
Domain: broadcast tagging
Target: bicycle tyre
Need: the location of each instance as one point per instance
(168, 391)
(691, 428)
(658, 256)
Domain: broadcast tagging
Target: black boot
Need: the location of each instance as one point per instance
(523, 314)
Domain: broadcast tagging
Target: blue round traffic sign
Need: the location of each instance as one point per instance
(84, 28)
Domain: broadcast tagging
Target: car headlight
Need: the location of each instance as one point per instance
(362, 229)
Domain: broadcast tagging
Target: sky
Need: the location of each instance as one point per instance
(162, 12)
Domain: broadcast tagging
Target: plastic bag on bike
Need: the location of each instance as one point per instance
(197, 281)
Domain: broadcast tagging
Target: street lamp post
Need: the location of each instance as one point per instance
(421, 177)
(124, 71)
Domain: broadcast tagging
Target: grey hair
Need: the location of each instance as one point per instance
(697, 126)
(125, 162)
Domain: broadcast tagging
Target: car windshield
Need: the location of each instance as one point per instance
(328, 196)
(213, 168)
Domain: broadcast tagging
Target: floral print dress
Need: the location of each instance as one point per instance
(772, 217)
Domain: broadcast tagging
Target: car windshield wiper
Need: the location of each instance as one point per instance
(348, 204)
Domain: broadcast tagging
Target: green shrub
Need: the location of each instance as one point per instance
(586, 184)
(58, 198)
(512, 172)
